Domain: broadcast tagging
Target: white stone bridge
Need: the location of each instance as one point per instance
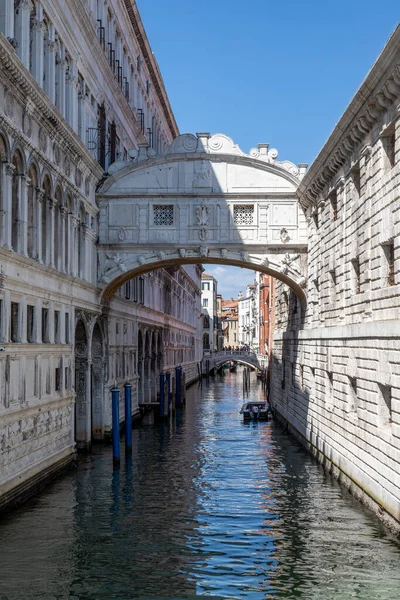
(244, 357)
(203, 201)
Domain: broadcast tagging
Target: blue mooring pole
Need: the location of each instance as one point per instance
(169, 393)
(178, 379)
(128, 416)
(162, 394)
(115, 423)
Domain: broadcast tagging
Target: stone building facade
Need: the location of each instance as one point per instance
(79, 90)
(209, 287)
(336, 368)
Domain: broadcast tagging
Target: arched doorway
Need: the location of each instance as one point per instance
(82, 412)
(97, 384)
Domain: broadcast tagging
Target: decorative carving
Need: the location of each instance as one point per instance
(202, 174)
(81, 349)
(42, 140)
(203, 251)
(141, 260)
(122, 234)
(203, 234)
(9, 104)
(287, 263)
(182, 252)
(27, 124)
(284, 235)
(245, 256)
(224, 253)
(114, 260)
(265, 262)
(202, 214)
(161, 255)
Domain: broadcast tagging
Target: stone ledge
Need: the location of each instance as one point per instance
(15, 494)
(343, 478)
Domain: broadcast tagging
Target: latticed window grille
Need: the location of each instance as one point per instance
(163, 214)
(243, 214)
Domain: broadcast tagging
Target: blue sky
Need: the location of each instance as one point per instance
(265, 71)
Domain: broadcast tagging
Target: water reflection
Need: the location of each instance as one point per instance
(205, 506)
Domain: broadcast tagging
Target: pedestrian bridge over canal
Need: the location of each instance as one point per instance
(244, 357)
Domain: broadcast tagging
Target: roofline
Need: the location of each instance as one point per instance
(353, 123)
(152, 65)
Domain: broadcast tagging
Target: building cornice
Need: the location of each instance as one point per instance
(152, 65)
(376, 95)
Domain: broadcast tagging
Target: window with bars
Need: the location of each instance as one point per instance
(163, 214)
(243, 214)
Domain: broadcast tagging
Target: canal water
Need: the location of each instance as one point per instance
(208, 506)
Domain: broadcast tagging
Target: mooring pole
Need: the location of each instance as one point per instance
(128, 416)
(115, 423)
(169, 393)
(162, 395)
(178, 380)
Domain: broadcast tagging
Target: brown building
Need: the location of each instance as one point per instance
(229, 320)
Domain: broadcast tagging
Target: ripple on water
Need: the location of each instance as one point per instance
(207, 507)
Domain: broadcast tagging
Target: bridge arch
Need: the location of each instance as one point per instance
(202, 201)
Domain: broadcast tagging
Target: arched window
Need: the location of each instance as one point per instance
(32, 213)
(45, 219)
(57, 228)
(16, 202)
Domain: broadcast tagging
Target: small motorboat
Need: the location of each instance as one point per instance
(256, 411)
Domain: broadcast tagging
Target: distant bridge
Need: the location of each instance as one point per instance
(244, 357)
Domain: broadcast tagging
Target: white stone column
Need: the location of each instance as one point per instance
(84, 251)
(61, 241)
(72, 94)
(60, 68)
(23, 216)
(74, 253)
(82, 113)
(50, 237)
(5, 321)
(51, 323)
(22, 31)
(23, 317)
(7, 206)
(38, 321)
(37, 51)
(7, 18)
(50, 70)
(39, 199)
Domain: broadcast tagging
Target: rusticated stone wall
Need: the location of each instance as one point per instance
(335, 378)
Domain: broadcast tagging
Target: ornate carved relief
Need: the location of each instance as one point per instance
(202, 214)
